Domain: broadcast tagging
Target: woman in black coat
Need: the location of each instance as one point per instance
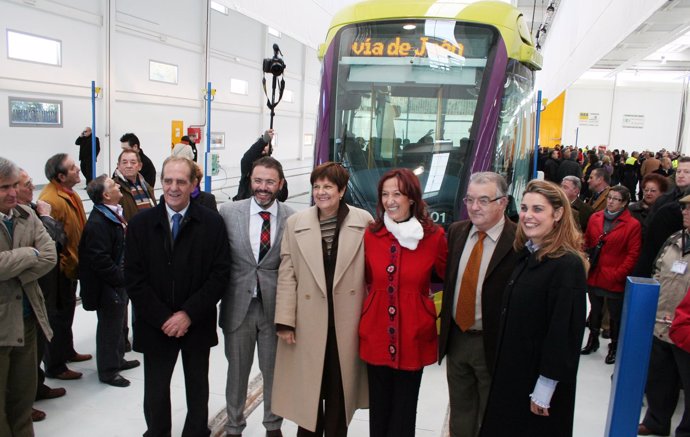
(542, 323)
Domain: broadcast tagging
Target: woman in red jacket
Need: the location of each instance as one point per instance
(397, 329)
(617, 235)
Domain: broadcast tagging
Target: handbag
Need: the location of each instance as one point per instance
(594, 252)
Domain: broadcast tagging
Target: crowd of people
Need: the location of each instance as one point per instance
(339, 304)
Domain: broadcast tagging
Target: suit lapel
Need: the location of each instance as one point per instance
(455, 249)
(308, 237)
(349, 241)
(503, 246)
(243, 226)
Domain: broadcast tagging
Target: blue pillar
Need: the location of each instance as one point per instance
(632, 357)
(536, 135)
(93, 130)
(207, 155)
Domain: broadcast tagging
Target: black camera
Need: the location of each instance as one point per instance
(274, 65)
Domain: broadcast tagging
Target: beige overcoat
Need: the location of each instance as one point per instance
(301, 303)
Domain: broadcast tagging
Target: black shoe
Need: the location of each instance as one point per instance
(117, 381)
(130, 364)
(592, 344)
(611, 356)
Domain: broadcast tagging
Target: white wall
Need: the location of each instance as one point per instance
(112, 42)
(658, 103)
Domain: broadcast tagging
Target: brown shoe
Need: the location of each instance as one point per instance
(37, 415)
(274, 433)
(643, 430)
(68, 375)
(51, 393)
(80, 357)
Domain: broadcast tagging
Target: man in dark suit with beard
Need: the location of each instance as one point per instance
(481, 259)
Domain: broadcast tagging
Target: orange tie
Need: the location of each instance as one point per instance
(464, 313)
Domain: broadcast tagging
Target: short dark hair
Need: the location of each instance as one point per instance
(601, 172)
(55, 166)
(683, 159)
(333, 171)
(131, 139)
(128, 151)
(623, 191)
(96, 188)
(270, 162)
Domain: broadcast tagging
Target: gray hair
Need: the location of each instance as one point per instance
(574, 180)
(55, 166)
(8, 169)
(486, 177)
(96, 188)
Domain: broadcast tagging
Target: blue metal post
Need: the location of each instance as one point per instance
(207, 155)
(93, 130)
(536, 135)
(632, 357)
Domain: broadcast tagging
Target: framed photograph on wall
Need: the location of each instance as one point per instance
(35, 113)
(217, 140)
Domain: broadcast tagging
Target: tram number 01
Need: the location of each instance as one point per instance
(438, 217)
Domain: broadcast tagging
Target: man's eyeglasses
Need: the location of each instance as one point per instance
(483, 201)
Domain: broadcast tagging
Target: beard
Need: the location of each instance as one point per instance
(264, 198)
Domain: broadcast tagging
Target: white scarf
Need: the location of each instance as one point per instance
(407, 233)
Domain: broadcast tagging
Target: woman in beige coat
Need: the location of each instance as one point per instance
(321, 287)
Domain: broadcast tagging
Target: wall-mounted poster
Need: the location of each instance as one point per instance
(633, 121)
(35, 113)
(217, 140)
(588, 119)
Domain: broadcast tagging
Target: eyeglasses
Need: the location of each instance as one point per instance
(614, 198)
(268, 182)
(483, 201)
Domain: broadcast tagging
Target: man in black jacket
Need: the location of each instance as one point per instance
(101, 258)
(177, 265)
(262, 147)
(130, 141)
(85, 152)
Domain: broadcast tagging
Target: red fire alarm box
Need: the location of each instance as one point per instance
(194, 134)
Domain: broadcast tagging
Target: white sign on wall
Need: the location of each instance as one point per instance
(588, 119)
(633, 121)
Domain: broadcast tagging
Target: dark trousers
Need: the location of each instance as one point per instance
(331, 414)
(41, 343)
(615, 305)
(61, 348)
(18, 383)
(158, 370)
(86, 169)
(110, 344)
(669, 371)
(393, 398)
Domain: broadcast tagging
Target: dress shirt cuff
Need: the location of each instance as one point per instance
(543, 391)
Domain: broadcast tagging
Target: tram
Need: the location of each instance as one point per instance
(442, 88)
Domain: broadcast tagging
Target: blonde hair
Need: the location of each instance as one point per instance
(565, 236)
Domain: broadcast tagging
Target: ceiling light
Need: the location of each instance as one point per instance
(410, 26)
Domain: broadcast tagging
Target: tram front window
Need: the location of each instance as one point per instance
(405, 96)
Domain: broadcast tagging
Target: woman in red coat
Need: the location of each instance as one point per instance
(618, 235)
(397, 329)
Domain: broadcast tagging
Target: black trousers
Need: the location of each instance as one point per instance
(110, 343)
(158, 370)
(86, 169)
(393, 398)
(61, 348)
(41, 343)
(615, 305)
(331, 414)
(669, 371)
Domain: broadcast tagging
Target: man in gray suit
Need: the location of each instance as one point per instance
(247, 310)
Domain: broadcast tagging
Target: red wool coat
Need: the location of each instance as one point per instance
(398, 324)
(680, 329)
(619, 253)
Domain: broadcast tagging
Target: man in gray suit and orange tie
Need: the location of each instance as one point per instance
(480, 261)
(247, 310)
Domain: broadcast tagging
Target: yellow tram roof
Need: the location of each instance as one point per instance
(503, 16)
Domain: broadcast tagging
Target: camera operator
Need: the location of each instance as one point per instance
(84, 143)
(262, 147)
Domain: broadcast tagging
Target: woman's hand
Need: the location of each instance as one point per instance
(536, 409)
(288, 336)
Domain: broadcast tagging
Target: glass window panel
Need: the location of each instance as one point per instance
(239, 86)
(162, 72)
(25, 47)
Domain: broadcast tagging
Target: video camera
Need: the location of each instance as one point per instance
(274, 65)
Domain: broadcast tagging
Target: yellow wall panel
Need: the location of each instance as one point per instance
(551, 125)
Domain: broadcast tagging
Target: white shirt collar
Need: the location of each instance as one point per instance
(254, 208)
(9, 216)
(172, 212)
(117, 209)
(494, 232)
